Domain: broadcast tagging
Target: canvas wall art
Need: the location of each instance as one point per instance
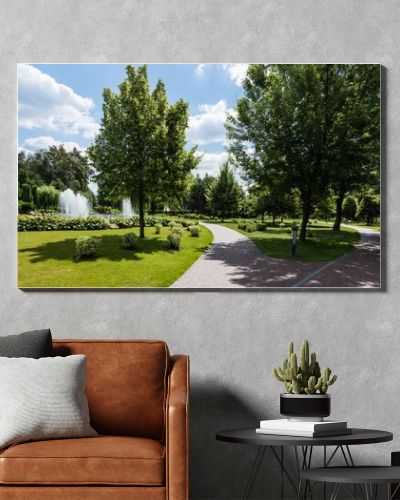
(199, 176)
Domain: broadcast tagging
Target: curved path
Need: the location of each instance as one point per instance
(234, 261)
(359, 268)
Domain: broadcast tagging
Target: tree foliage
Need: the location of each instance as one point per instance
(56, 167)
(225, 193)
(140, 150)
(309, 127)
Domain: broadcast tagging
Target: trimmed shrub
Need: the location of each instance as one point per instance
(24, 207)
(52, 222)
(174, 240)
(157, 228)
(250, 227)
(130, 241)
(86, 247)
(261, 226)
(195, 231)
(177, 229)
(26, 193)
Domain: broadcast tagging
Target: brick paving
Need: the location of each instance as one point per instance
(359, 268)
(234, 261)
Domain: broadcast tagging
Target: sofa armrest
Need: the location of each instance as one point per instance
(177, 431)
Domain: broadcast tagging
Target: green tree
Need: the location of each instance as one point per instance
(197, 199)
(26, 193)
(369, 208)
(47, 197)
(225, 194)
(140, 149)
(56, 167)
(354, 141)
(280, 130)
(350, 208)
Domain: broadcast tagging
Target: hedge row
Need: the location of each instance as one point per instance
(54, 222)
(49, 222)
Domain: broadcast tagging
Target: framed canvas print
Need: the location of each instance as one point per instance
(199, 176)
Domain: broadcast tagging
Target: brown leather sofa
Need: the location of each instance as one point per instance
(138, 400)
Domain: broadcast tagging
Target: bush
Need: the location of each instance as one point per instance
(250, 227)
(174, 240)
(86, 247)
(195, 231)
(310, 234)
(177, 228)
(130, 241)
(103, 209)
(261, 226)
(157, 228)
(24, 207)
(282, 225)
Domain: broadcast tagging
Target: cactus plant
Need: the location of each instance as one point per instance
(304, 377)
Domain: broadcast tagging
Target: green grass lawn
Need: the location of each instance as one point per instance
(377, 227)
(46, 259)
(325, 245)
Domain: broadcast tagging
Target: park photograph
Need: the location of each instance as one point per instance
(199, 176)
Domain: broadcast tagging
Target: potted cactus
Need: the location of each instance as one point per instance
(306, 386)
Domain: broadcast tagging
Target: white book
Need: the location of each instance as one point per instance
(303, 425)
(311, 434)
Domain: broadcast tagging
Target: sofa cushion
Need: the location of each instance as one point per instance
(43, 399)
(33, 344)
(126, 385)
(103, 460)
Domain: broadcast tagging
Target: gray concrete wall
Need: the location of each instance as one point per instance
(234, 339)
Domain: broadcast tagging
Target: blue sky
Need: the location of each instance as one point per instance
(62, 103)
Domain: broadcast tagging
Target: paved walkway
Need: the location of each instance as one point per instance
(234, 261)
(359, 268)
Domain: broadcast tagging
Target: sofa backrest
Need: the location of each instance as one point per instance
(126, 386)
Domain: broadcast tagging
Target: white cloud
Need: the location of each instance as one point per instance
(236, 72)
(46, 141)
(210, 163)
(44, 103)
(209, 125)
(199, 71)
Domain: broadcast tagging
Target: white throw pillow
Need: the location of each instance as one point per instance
(43, 399)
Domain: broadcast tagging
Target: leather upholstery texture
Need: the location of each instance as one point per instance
(178, 429)
(82, 493)
(101, 460)
(126, 386)
(139, 404)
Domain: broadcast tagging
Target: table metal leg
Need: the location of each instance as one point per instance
(254, 471)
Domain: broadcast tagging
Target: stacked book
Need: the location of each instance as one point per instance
(303, 428)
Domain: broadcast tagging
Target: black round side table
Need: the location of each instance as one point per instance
(370, 477)
(303, 451)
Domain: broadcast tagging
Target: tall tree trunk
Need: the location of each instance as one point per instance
(141, 211)
(305, 218)
(339, 211)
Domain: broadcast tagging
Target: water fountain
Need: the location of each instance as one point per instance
(127, 210)
(74, 205)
